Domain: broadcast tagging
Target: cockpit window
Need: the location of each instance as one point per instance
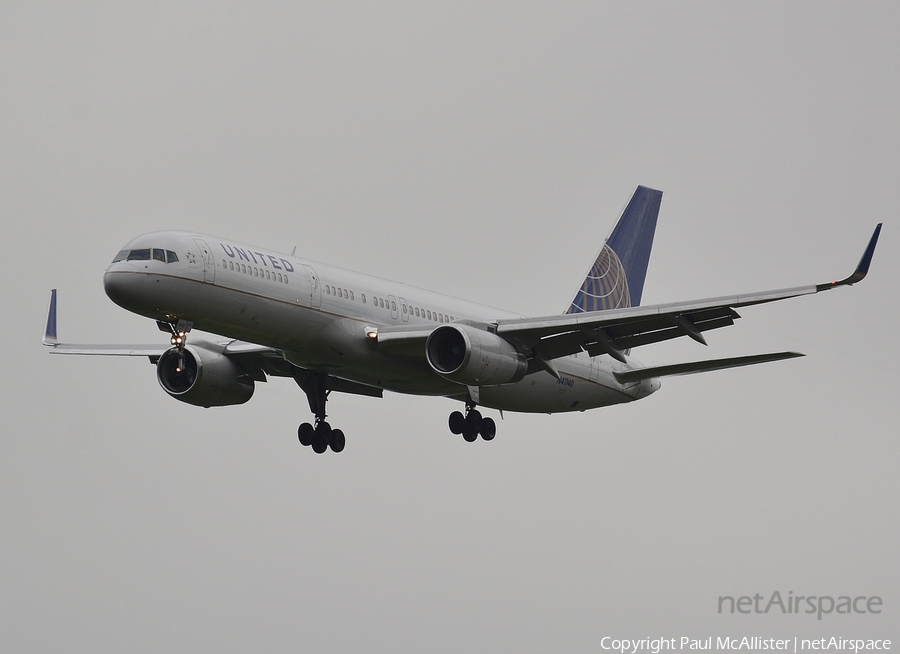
(139, 255)
(145, 254)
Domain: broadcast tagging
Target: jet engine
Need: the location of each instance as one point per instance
(203, 377)
(474, 357)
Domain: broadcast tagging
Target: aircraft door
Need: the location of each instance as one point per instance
(404, 310)
(207, 261)
(315, 288)
(394, 310)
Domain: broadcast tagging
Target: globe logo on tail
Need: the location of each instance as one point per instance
(605, 287)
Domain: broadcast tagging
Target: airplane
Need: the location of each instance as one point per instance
(333, 330)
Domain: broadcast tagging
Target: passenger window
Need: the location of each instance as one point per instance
(441, 317)
(346, 295)
(279, 277)
(404, 309)
(417, 312)
(256, 272)
(363, 296)
(139, 255)
(393, 306)
(243, 268)
(171, 257)
(351, 295)
(429, 315)
(267, 275)
(381, 303)
(231, 265)
(122, 256)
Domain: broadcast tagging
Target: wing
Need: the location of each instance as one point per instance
(613, 331)
(259, 361)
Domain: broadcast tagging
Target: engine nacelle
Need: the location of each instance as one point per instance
(203, 377)
(474, 357)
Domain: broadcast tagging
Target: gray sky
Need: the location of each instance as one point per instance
(484, 151)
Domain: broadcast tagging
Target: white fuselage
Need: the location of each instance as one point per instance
(318, 316)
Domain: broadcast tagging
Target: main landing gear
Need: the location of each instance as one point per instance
(321, 436)
(471, 424)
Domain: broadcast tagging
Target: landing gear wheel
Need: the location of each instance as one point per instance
(321, 436)
(337, 440)
(473, 421)
(305, 434)
(457, 423)
(472, 425)
(488, 429)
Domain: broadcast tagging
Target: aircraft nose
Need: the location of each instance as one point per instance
(123, 287)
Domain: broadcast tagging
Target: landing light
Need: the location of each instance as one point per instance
(372, 333)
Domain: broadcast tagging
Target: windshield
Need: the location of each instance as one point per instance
(145, 254)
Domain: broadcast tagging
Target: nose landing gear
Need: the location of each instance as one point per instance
(179, 331)
(471, 424)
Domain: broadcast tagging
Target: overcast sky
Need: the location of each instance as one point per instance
(483, 150)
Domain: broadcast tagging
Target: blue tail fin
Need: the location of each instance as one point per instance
(617, 277)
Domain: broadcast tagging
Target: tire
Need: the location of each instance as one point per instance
(305, 434)
(473, 421)
(457, 423)
(488, 429)
(468, 435)
(337, 441)
(321, 436)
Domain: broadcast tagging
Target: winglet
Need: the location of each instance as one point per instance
(861, 269)
(50, 330)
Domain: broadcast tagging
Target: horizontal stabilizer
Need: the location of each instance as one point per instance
(111, 350)
(701, 366)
